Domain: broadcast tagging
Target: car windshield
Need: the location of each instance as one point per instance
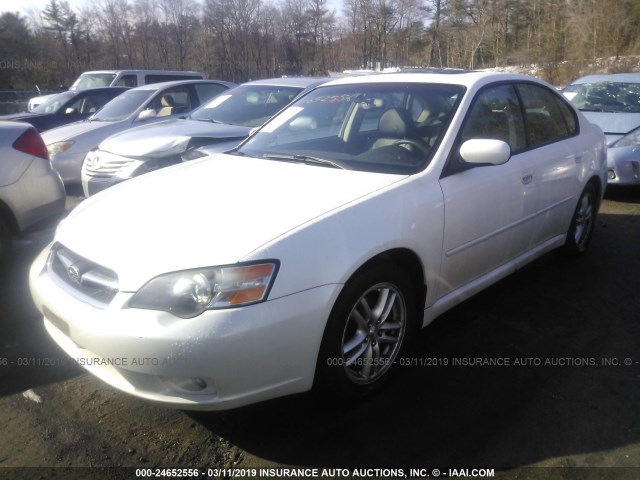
(122, 106)
(605, 96)
(248, 106)
(93, 80)
(386, 127)
(54, 103)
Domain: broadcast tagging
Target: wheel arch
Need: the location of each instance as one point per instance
(596, 181)
(410, 263)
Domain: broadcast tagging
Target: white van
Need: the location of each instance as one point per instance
(122, 78)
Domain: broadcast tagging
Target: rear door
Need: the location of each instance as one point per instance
(555, 152)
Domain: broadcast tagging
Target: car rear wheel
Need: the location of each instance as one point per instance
(583, 222)
(367, 331)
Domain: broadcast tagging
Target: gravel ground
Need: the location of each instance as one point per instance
(537, 377)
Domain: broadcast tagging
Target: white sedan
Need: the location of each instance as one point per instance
(310, 254)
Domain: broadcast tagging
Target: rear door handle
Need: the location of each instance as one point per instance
(526, 180)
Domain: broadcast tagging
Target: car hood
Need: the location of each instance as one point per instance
(213, 211)
(72, 130)
(165, 136)
(614, 125)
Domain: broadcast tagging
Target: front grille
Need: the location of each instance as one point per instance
(82, 278)
(108, 167)
(105, 165)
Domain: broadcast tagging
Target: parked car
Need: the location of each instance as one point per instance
(31, 192)
(68, 145)
(311, 253)
(623, 160)
(613, 103)
(120, 78)
(221, 124)
(67, 107)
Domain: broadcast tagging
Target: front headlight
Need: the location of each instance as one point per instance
(188, 293)
(58, 148)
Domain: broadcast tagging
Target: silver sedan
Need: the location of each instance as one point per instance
(31, 192)
(68, 145)
(623, 160)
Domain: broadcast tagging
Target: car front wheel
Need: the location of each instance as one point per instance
(368, 329)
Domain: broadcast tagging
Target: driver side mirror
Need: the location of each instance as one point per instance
(485, 151)
(70, 111)
(146, 114)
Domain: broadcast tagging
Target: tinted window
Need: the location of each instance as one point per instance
(548, 118)
(496, 114)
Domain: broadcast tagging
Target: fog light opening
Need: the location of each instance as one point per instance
(611, 174)
(189, 385)
(636, 170)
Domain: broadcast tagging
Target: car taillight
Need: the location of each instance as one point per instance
(31, 142)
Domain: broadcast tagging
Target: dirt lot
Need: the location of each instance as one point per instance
(535, 378)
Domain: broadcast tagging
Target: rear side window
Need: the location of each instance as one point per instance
(547, 117)
(205, 91)
(157, 78)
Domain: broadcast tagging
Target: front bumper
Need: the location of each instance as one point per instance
(221, 359)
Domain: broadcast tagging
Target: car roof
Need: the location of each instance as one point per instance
(612, 77)
(466, 79)
(176, 83)
(302, 82)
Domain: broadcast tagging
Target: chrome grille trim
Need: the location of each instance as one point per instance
(82, 278)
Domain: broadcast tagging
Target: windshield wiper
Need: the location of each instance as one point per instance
(305, 159)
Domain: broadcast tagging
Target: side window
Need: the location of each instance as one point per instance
(88, 104)
(496, 114)
(548, 118)
(205, 91)
(128, 81)
(171, 102)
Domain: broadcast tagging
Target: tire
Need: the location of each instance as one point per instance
(582, 224)
(5, 240)
(368, 330)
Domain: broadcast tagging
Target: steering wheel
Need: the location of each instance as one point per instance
(412, 144)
